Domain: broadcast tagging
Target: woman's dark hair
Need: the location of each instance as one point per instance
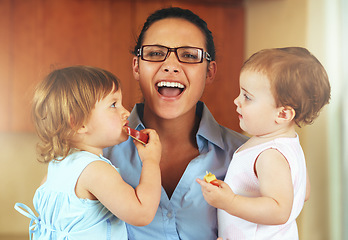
(175, 12)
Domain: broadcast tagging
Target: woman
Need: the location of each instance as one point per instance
(174, 60)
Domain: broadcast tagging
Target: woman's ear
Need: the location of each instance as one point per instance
(285, 114)
(211, 72)
(135, 66)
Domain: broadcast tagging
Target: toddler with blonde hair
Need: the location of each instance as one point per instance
(77, 113)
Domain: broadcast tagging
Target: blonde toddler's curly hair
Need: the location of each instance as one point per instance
(63, 102)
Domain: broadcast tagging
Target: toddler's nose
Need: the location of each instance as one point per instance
(236, 101)
(125, 113)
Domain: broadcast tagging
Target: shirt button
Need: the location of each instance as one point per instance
(169, 215)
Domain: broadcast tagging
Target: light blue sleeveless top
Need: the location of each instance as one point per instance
(64, 216)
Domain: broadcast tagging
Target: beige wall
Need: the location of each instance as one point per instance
(20, 175)
(275, 23)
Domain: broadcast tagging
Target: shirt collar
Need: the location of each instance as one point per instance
(208, 129)
(135, 117)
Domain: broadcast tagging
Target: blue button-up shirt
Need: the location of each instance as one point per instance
(186, 215)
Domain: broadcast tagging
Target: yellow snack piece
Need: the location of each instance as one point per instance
(209, 177)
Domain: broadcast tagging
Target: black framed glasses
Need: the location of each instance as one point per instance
(159, 53)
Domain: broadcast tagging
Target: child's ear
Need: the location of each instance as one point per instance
(285, 114)
(82, 129)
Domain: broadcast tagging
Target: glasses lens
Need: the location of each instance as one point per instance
(154, 53)
(157, 53)
(190, 55)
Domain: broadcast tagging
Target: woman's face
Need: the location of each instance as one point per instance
(171, 89)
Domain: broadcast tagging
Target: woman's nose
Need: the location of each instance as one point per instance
(171, 64)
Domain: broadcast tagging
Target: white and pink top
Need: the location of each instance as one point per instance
(243, 181)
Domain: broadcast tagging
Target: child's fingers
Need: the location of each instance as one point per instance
(145, 136)
(201, 182)
(219, 182)
(205, 186)
(222, 184)
(215, 183)
(152, 134)
(137, 144)
(148, 131)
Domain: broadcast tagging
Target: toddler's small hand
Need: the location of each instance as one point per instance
(152, 150)
(214, 195)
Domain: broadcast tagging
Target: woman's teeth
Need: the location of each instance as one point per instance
(170, 84)
(170, 89)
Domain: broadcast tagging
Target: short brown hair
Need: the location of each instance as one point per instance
(63, 102)
(297, 79)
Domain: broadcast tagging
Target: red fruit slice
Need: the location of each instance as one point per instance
(139, 136)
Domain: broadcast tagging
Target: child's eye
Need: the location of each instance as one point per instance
(113, 105)
(246, 97)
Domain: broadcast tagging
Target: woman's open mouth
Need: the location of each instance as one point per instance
(170, 89)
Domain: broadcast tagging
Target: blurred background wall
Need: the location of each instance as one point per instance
(37, 36)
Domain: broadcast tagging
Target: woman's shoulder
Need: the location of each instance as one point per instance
(211, 127)
(233, 137)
